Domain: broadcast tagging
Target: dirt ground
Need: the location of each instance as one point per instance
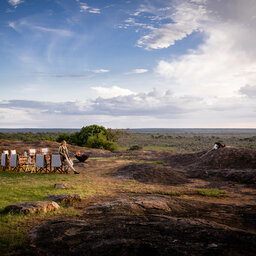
(169, 211)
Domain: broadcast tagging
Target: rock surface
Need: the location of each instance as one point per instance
(141, 226)
(151, 173)
(61, 185)
(32, 207)
(64, 199)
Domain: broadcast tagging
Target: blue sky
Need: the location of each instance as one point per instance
(128, 64)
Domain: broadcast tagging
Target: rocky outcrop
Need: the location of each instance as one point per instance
(32, 207)
(64, 199)
(150, 225)
(151, 173)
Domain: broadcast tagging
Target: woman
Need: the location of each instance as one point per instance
(63, 151)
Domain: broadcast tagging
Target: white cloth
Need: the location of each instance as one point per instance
(40, 161)
(56, 161)
(14, 160)
(3, 159)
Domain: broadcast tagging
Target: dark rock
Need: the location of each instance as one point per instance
(139, 235)
(32, 207)
(64, 199)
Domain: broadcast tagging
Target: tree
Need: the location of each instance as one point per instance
(93, 136)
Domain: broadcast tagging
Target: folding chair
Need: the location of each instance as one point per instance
(56, 164)
(41, 163)
(32, 154)
(13, 152)
(44, 151)
(4, 161)
(16, 164)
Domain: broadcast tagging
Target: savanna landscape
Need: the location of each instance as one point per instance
(170, 195)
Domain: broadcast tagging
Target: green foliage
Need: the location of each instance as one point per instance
(91, 131)
(93, 136)
(100, 141)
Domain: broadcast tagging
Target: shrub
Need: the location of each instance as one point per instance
(135, 147)
(93, 136)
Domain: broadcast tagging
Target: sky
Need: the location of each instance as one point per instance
(127, 63)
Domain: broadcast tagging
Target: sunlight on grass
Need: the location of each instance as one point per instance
(211, 192)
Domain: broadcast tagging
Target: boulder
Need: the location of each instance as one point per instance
(64, 199)
(61, 185)
(32, 207)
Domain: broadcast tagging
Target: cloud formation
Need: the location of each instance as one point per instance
(248, 90)
(85, 8)
(118, 104)
(111, 92)
(137, 71)
(224, 62)
(15, 3)
(99, 71)
(185, 20)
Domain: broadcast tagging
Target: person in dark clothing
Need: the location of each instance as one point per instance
(81, 158)
(218, 145)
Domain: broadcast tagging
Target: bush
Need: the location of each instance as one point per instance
(92, 136)
(100, 141)
(135, 147)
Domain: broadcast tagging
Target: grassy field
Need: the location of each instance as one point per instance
(184, 142)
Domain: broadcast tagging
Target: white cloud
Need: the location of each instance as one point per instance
(15, 3)
(85, 8)
(12, 25)
(61, 32)
(94, 10)
(181, 18)
(137, 71)
(112, 92)
(186, 19)
(224, 62)
(248, 90)
(23, 23)
(99, 71)
(121, 106)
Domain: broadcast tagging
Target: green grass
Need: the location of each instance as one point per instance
(211, 192)
(23, 187)
(157, 162)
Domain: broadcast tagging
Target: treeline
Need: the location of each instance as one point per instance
(93, 136)
(30, 136)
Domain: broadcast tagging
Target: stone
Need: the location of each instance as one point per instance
(61, 185)
(32, 207)
(64, 199)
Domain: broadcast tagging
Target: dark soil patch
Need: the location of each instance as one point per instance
(151, 173)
